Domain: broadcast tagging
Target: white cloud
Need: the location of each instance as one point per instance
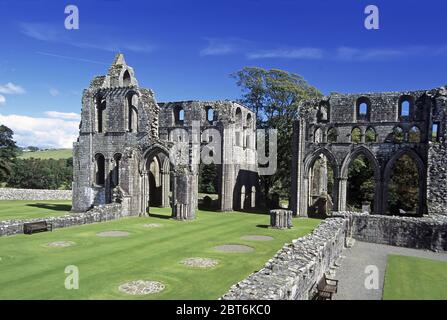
(295, 53)
(11, 88)
(41, 132)
(2, 100)
(53, 92)
(63, 115)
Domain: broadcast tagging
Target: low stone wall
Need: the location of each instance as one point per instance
(98, 214)
(428, 232)
(295, 269)
(34, 194)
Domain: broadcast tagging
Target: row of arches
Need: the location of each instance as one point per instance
(405, 109)
(396, 187)
(100, 170)
(398, 135)
(211, 116)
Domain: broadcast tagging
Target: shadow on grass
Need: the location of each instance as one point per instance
(160, 216)
(264, 226)
(51, 206)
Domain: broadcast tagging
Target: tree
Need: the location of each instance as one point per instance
(274, 95)
(8, 152)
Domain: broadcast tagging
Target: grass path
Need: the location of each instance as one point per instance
(410, 278)
(31, 270)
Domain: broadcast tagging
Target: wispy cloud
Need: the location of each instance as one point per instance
(71, 58)
(2, 99)
(63, 115)
(41, 132)
(370, 54)
(294, 53)
(50, 33)
(53, 92)
(222, 46)
(11, 88)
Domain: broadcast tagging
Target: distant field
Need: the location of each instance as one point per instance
(410, 278)
(48, 154)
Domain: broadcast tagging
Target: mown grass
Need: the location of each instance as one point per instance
(48, 154)
(31, 270)
(410, 278)
(19, 209)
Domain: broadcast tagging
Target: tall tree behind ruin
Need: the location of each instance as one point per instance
(8, 152)
(274, 95)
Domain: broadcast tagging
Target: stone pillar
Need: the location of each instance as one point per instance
(184, 205)
(322, 183)
(340, 194)
(165, 181)
(281, 219)
(378, 185)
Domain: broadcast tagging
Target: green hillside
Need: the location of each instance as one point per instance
(48, 154)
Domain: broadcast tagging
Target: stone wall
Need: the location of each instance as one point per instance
(98, 214)
(295, 269)
(428, 232)
(34, 194)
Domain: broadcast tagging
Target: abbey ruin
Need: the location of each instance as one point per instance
(141, 153)
(382, 127)
(135, 151)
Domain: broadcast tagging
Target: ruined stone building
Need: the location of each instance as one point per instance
(141, 153)
(382, 127)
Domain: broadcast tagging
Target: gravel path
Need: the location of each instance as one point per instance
(351, 273)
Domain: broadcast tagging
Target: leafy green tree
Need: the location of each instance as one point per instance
(360, 183)
(403, 191)
(274, 95)
(8, 152)
(208, 178)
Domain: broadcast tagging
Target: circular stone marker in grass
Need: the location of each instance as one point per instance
(141, 287)
(257, 238)
(200, 262)
(60, 244)
(152, 225)
(238, 248)
(113, 234)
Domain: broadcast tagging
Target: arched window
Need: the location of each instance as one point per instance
(100, 170)
(332, 135)
(132, 116)
(249, 120)
(239, 116)
(318, 136)
(398, 135)
(414, 135)
(126, 79)
(179, 115)
(253, 197)
(435, 132)
(100, 107)
(210, 114)
(405, 108)
(356, 135)
(243, 197)
(363, 109)
(323, 112)
(370, 135)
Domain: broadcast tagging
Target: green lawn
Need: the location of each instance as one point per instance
(410, 278)
(48, 154)
(18, 209)
(31, 270)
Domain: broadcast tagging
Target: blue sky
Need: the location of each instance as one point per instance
(186, 50)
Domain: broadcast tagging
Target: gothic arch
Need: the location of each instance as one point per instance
(310, 161)
(362, 150)
(422, 172)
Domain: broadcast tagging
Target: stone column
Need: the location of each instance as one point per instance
(184, 205)
(165, 181)
(281, 219)
(378, 185)
(340, 194)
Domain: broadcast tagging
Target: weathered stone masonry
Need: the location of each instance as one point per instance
(391, 125)
(295, 269)
(98, 214)
(135, 151)
(34, 194)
